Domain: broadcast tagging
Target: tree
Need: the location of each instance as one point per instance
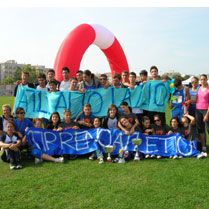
(33, 74)
(8, 80)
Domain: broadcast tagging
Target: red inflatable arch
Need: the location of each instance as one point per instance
(77, 42)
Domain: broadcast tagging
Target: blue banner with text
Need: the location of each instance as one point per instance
(82, 141)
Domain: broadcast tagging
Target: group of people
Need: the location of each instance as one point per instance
(189, 115)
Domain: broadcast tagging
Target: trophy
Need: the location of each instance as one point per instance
(121, 156)
(109, 149)
(136, 142)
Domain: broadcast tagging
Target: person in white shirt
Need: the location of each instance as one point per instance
(65, 84)
(42, 82)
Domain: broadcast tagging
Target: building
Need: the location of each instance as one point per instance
(8, 68)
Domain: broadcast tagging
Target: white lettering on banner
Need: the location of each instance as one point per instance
(150, 145)
(32, 138)
(64, 135)
(109, 138)
(82, 139)
(165, 142)
(119, 140)
(178, 146)
(47, 139)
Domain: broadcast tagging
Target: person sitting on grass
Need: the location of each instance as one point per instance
(111, 120)
(11, 142)
(127, 127)
(130, 116)
(85, 118)
(98, 153)
(37, 153)
(159, 127)
(54, 121)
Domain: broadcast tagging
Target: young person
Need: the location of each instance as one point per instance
(85, 118)
(37, 153)
(131, 117)
(53, 86)
(202, 110)
(193, 96)
(174, 126)
(68, 123)
(10, 142)
(73, 84)
(21, 123)
(89, 82)
(124, 77)
(111, 120)
(6, 109)
(65, 84)
(42, 82)
(154, 73)
(54, 121)
(103, 82)
(116, 81)
(79, 75)
(159, 127)
(51, 77)
(98, 153)
(182, 95)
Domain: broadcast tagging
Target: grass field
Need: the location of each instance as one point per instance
(164, 183)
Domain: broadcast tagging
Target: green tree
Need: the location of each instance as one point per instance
(33, 74)
(8, 80)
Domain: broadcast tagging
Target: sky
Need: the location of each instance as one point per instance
(172, 38)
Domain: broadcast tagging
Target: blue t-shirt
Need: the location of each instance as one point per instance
(180, 97)
(26, 123)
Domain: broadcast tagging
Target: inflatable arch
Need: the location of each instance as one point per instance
(79, 39)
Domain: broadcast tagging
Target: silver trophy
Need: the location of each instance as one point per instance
(136, 142)
(109, 149)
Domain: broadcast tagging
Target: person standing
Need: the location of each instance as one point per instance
(65, 84)
(202, 110)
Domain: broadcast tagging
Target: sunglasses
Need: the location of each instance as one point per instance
(20, 113)
(157, 120)
(102, 79)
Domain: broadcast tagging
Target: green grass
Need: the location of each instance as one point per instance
(148, 184)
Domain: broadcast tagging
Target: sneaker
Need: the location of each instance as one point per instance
(152, 156)
(37, 160)
(12, 166)
(175, 157)
(147, 156)
(115, 160)
(92, 156)
(200, 156)
(101, 160)
(159, 157)
(59, 160)
(18, 166)
(180, 157)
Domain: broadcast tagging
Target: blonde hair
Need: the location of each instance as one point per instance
(7, 106)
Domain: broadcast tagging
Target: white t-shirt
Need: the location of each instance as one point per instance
(64, 85)
(42, 89)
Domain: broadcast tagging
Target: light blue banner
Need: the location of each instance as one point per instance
(84, 141)
(152, 96)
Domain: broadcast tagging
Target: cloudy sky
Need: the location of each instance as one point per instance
(172, 38)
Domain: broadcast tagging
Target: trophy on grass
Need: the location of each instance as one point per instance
(109, 149)
(136, 142)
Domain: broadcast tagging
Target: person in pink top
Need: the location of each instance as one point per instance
(202, 110)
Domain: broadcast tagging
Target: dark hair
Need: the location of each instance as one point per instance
(132, 73)
(19, 109)
(153, 67)
(196, 78)
(53, 82)
(25, 72)
(42, 75)
(144, 118)
(143, 72)
(73, 78)
(51, 71)
(103, 75)
(66, 69)
(10, 122)
(54, 113)
(88, 73)
(204, 76)
(112, 106)
(95, 119)
(126, 104)
(177, 82)
(175, 118)
(79, 71)
(125, 71)
(117, 75)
